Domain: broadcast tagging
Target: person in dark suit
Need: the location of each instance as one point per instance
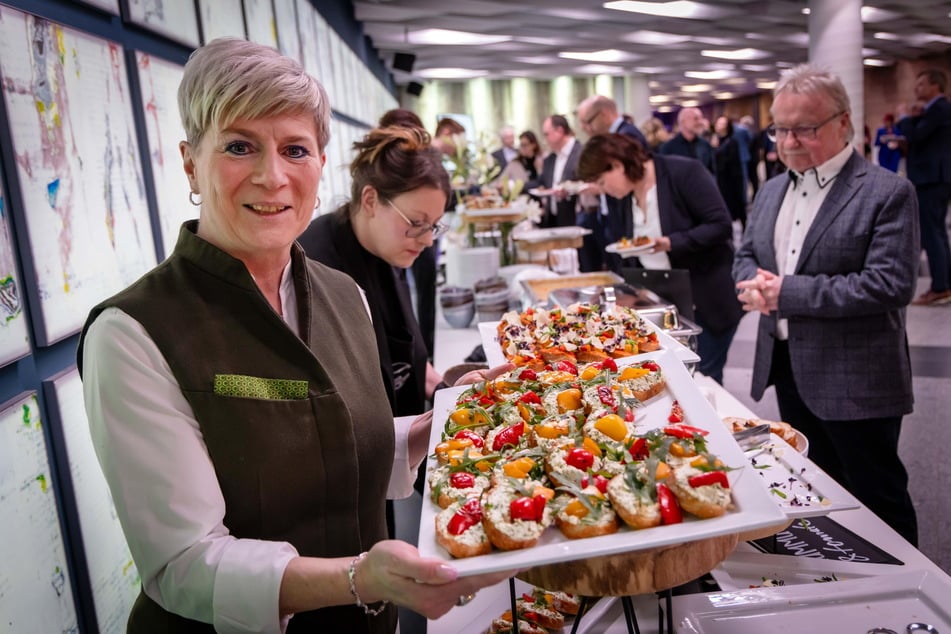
(508, 151)
(689, 140)
(675, 201)
(559, 166)
(599, 115)
(830, 261)
(731, 177)
(929, 167)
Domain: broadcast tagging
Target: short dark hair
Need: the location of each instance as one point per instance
(400, 117)
(528, 134)
(602, 149)
(935, 76)
(448, 125)
(561, 121)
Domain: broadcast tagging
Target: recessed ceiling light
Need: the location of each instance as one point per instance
(446, 37)
(766, 85)
(651, 70)
(656, 38)
(874, 14)
(882, 35)
(665, 109)
(873, 61)
(757, 68)
(709, 74)
(676, 9)
(723, 95)
(690, 103)
(597, 69)
(806, 11)
(451, 73)
(696, 88)
(606, 55)
(737, 54)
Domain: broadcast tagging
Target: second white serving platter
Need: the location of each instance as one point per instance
(891, 602)
(754, 506)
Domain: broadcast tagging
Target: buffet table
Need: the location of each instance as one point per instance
(906, 589)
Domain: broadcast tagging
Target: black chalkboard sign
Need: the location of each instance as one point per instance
(823, 538)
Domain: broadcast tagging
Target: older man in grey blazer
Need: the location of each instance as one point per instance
(830, 260)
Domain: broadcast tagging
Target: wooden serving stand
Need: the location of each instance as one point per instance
(653, 570)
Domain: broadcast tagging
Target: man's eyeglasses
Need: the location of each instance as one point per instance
(803, 133)
(417, 228)
(594, 115)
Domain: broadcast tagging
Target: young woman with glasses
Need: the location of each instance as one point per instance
(399, 192)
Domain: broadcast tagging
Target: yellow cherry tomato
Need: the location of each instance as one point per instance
(575, 508)
(591, 446)
(569, 399)
(630, 372)
(612, 426)
(590, 372)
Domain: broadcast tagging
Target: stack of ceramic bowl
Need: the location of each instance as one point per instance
(458, 305)
(491, 298)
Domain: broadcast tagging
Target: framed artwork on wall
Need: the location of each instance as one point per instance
(113, 576)
(259, 16)
(159, 82)
(175, 19)
(14, 333)
(35, 575)
(221, 18)
(84, 227)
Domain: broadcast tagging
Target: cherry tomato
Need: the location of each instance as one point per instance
(566, 366)
(650, 365)
(528, 375)
(669, 508)
(676, 413)
(609, 364)
(466, 517)
(600, 482)
(580, 459)
(710, 477)
(508, 436)
(462, 480)
(526, 508)
(471, 435)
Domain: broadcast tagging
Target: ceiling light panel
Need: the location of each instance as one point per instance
(604, 56)
(736, 54)
(448, 37)
(677, 9)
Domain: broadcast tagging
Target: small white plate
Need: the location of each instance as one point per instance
(858, 605)
(630, 251)
(798, 486)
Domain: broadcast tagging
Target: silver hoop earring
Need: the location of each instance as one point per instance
(191, 199)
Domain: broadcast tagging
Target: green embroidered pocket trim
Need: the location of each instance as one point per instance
(257, 387)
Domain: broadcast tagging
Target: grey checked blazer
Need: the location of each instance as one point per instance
(846, 301)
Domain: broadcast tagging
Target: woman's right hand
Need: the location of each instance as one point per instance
(395, 571)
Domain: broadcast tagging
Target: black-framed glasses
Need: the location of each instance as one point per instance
(803, 132)
(417, 228)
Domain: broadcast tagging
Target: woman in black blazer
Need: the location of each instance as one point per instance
(675, 201)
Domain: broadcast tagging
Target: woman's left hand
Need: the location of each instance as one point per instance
(482, 375)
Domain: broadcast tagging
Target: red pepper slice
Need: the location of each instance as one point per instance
(676, 413)
(466, 517)
(650, 365)
(629, 414)
(669, 508)
(606, 396)
(684, 431)
(566, 366)
(600, 482)
(462, 480)
(508, 436)
(609, 364)
(639, 449)
(476, 439)
(580, 459)
(710, 477)
(530, 397)
(528, 375)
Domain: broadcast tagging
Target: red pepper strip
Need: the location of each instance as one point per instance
(684, 431)
(530, 397)
(669, 509)
(606, 396)
(476, 439)
(508, 436)
(566, 366)
(469, 515)
(601, 483)
(650, 365)
(527, 375)
(639, 450)
(676, 413)
(710, 477)
(609, 364)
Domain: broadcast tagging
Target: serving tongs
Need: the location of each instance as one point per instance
(752, 437)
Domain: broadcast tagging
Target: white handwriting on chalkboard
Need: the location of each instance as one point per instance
(799, 548)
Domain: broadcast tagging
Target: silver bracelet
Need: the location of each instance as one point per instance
(351, 573)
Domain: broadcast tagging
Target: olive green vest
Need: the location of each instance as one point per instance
(298, 428)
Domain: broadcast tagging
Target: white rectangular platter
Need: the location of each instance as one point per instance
(859, 605)
(488, 331)
(743, 570)
(754, 507)
(798, 486)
